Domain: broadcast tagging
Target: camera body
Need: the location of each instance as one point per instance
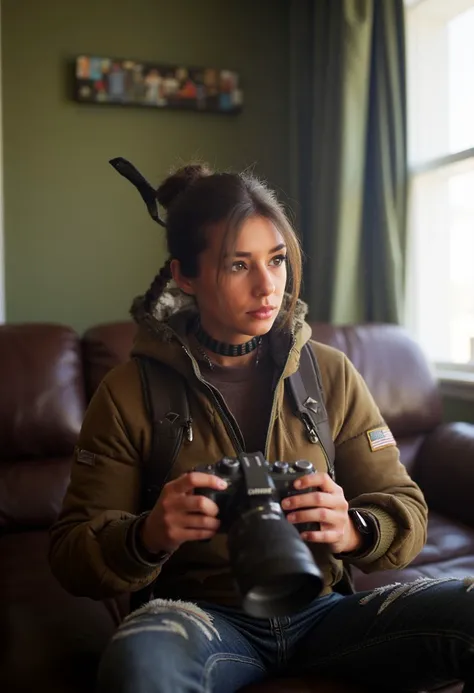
(281, 477)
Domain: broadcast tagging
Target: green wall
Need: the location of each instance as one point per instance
(78, 242)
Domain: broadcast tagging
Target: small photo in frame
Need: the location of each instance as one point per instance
(102, 80)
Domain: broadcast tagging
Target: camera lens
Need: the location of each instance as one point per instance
(283, 588)
(274, 569)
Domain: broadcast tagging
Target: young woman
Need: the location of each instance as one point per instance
(233, 278)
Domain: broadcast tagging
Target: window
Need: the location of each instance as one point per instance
(440, 71)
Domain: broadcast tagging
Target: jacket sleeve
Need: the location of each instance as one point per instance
(369, 470)
(93, 551)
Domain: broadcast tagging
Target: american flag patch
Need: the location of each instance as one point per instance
(380, 438)
(85, 457)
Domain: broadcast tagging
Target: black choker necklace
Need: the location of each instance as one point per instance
(223, 348)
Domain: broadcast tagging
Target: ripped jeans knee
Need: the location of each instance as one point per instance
(173, 646)
(176, 617)
(398, 590)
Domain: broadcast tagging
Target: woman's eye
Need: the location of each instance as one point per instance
(238, 266)
(278, 260)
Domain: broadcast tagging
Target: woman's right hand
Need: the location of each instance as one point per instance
(180, 516)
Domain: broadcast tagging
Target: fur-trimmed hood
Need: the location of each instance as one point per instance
(162, 328)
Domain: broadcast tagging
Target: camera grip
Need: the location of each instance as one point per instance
(304, 526)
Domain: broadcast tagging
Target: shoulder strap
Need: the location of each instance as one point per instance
(306, 389)
(166, 401)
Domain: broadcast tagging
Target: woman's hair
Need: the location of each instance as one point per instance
(195, 199)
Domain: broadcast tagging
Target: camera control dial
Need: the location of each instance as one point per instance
(304, 466)
(281, 467)
(229, 466)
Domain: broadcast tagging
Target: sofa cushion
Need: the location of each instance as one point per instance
(395, 370)
(448, 553)
(32, 491)
(42, 395)
(51, 641)
(409, 447)
(42, 403)
(104, 347)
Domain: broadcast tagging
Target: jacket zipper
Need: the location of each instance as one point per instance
(273, 410)
(188, 426)
(331, 470)
(231, 425)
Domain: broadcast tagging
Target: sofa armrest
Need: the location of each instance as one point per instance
(445, 471)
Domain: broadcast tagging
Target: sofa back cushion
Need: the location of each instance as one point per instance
(104, 347)
(395, 370)
(398, 376)
(42, 405)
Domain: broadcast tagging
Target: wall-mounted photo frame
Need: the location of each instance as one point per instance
(103, 80)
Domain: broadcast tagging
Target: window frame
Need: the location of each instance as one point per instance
(455, 379)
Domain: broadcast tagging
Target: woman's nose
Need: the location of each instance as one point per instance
(264, 286)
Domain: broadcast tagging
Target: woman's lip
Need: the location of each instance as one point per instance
(262, 313)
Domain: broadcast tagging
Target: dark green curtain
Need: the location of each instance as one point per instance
(348, 155)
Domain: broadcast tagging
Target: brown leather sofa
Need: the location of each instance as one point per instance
(51, 641)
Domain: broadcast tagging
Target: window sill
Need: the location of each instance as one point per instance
(456, 382)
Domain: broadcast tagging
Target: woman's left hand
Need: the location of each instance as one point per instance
(327, 506)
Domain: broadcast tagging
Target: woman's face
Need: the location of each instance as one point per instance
(240, 297)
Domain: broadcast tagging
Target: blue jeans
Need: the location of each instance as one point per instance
(395, 638)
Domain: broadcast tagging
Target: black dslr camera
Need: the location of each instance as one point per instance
(275, 571)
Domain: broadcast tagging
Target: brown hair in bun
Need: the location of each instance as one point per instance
(179, 182)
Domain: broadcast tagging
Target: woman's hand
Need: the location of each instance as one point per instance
(178, 515)
(326, 506)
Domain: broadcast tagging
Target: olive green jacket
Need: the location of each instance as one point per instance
(91, 551)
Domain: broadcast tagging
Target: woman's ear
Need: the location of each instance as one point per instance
(185, 284)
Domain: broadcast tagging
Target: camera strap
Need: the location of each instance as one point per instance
(166, 402)
(306, 389)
